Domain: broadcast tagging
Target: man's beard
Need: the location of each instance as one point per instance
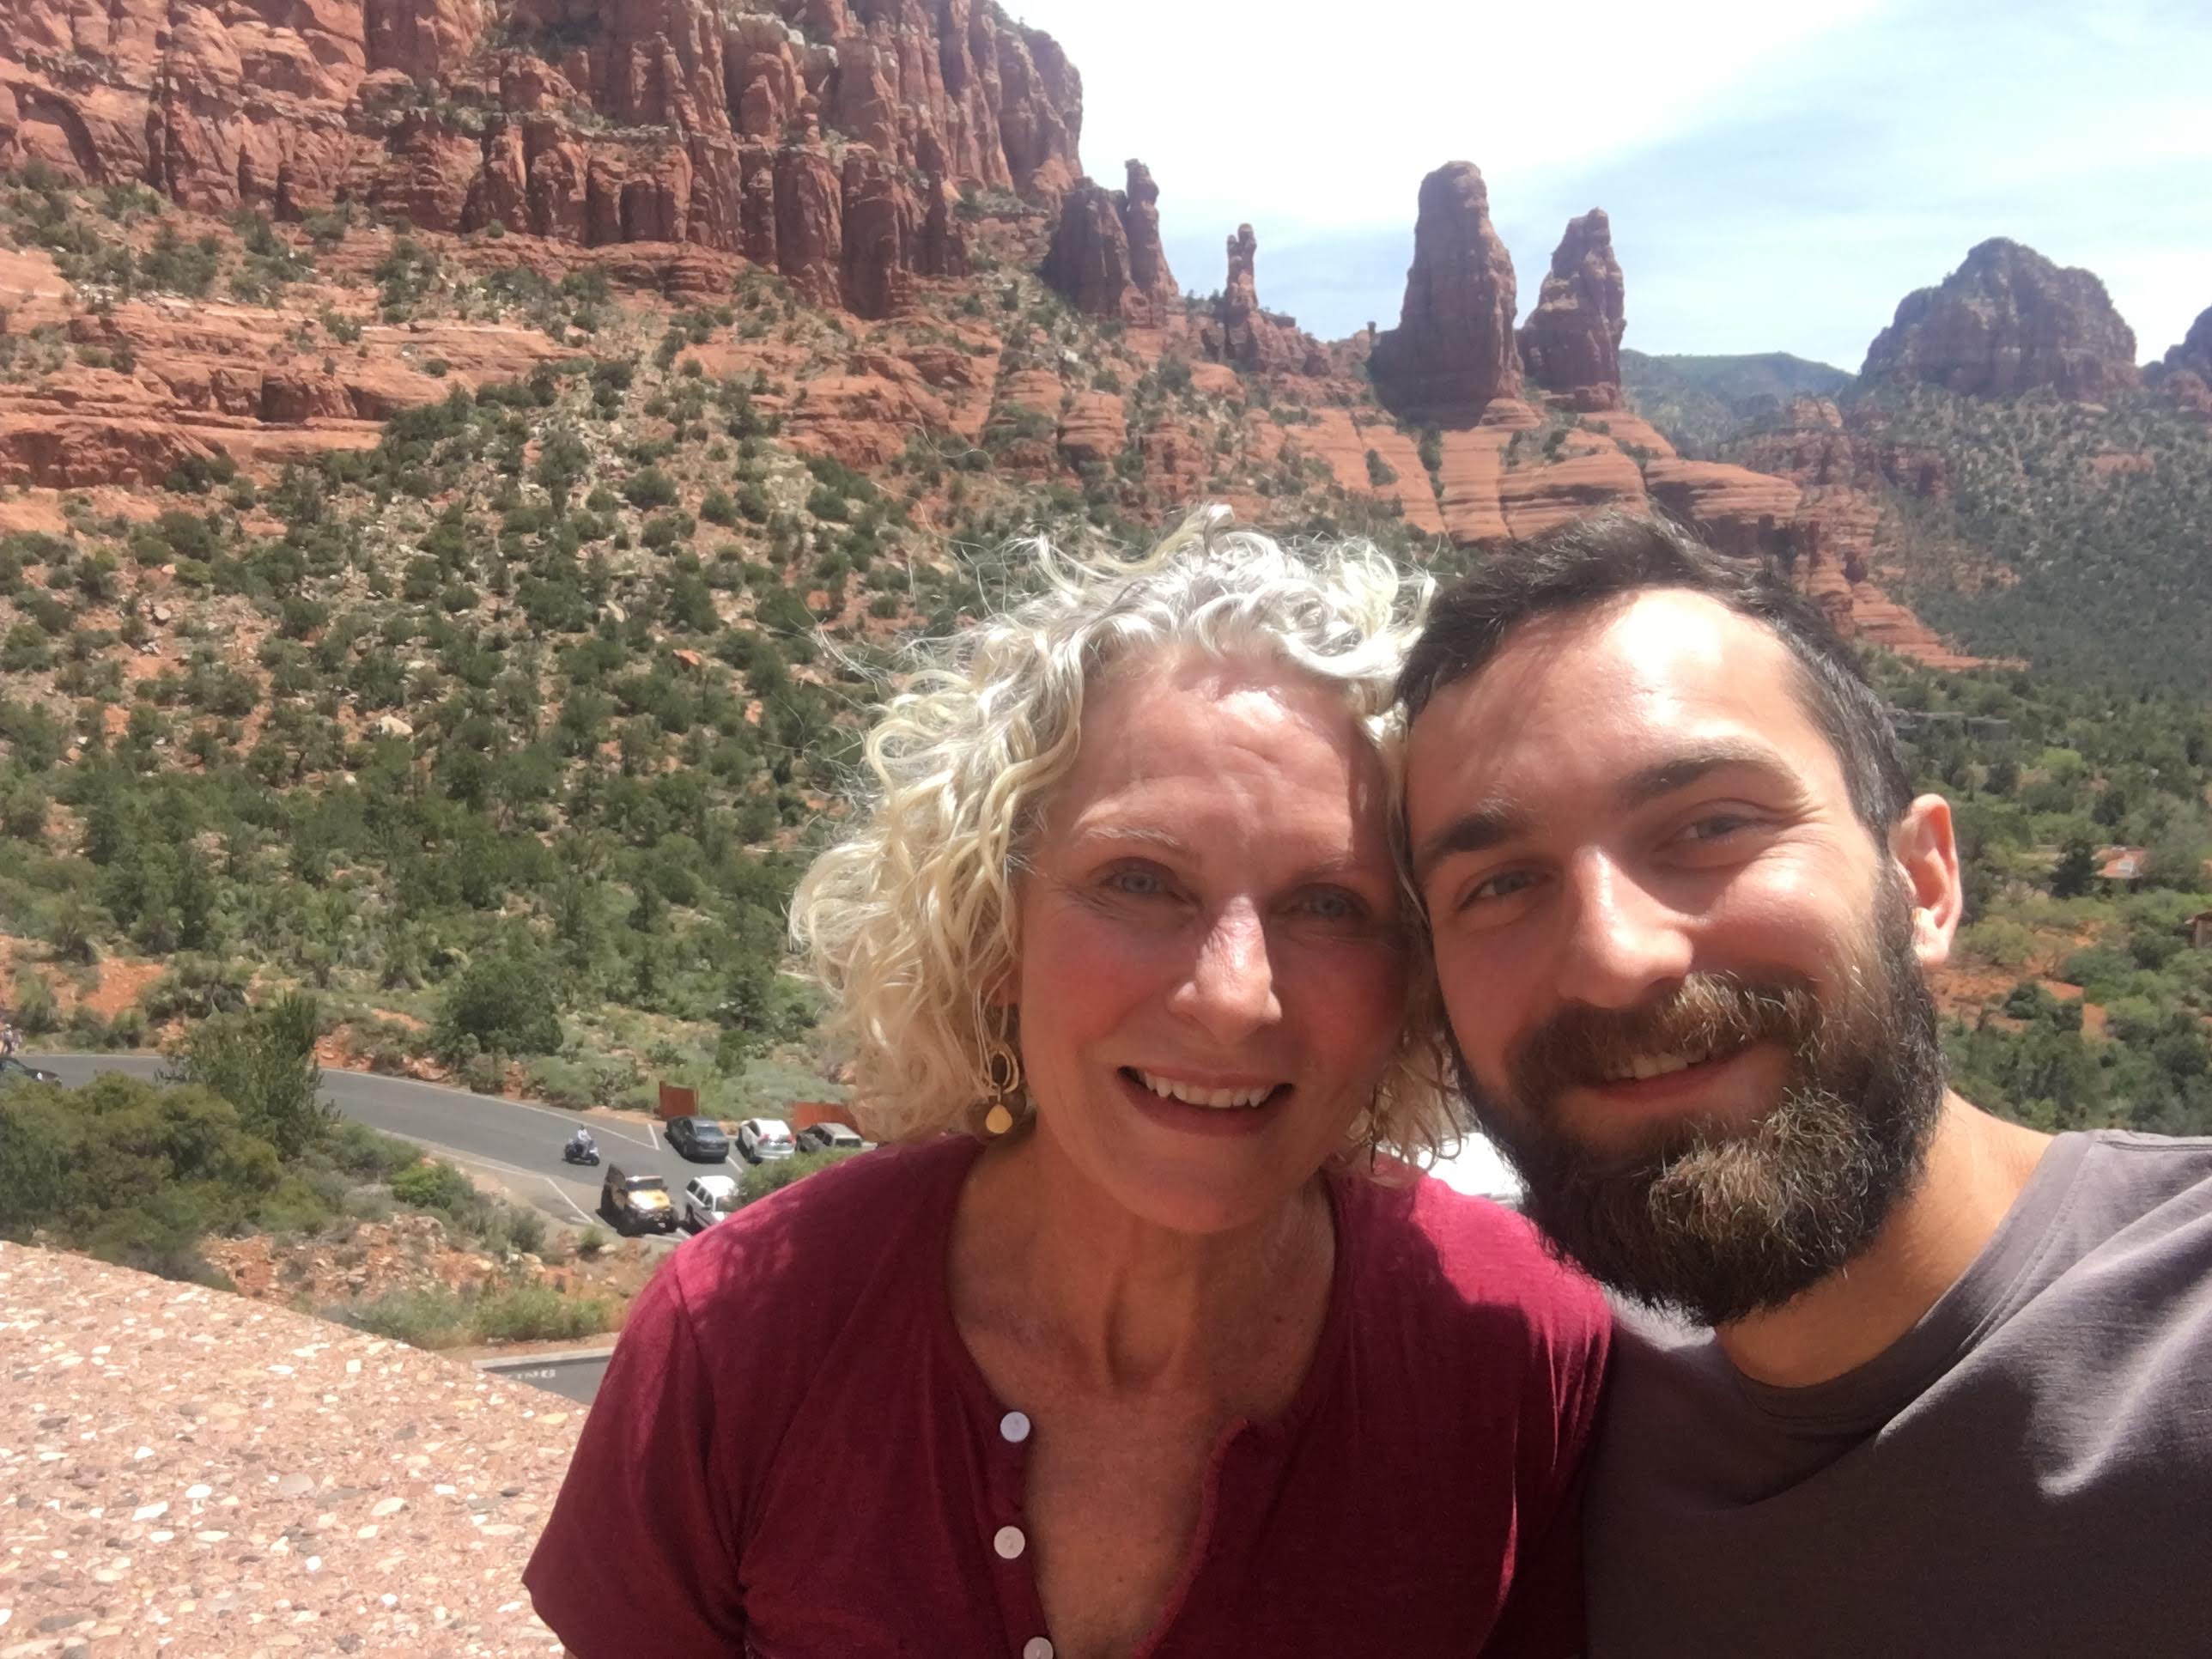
(1719, 1221)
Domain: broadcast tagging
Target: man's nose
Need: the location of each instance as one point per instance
(1230, 989)
(1622, 942)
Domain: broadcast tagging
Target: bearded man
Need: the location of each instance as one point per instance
(1894, 1376)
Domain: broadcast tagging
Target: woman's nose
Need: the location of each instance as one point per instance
(1231, 988)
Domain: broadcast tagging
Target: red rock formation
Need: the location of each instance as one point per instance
(2195, 351)
(1148, 260)
(1257, 341)
(2186, 368)
(1571, 341)
(1088, 261)
(2008, 321)
(651, 120)
(881, 229)
(1453, 350)
(1106, 256)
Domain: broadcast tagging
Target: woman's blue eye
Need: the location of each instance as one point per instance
(1330, 905)
(1137, 883)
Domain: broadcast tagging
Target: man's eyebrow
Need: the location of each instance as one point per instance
(1486, 826)
(1687, 766)
(1493, 823)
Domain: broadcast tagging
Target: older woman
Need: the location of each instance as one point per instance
(1146, 1343)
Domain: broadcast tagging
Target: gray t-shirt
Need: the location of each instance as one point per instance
(2027, 1471)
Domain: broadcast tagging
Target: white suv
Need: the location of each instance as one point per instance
(707, 1200)
(761, 1138)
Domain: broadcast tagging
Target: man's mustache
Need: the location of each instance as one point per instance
(1709, 1013)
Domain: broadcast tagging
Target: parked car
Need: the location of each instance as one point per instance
(12, 1070)
(708, 1199)
(830, 1138)
(699, 1138)
(761, 1138)
(637, 1203)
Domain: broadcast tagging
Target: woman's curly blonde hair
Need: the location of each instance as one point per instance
(908, 920)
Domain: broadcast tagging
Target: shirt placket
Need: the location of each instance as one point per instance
(1020, 1606)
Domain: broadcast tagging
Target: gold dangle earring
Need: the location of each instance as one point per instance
(1002, 1072)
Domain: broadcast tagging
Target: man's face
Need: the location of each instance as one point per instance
(1683, 979)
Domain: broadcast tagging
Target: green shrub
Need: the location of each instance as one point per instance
(500, 1003)
(537, 1313)
(432, 1184)
(760, 1179)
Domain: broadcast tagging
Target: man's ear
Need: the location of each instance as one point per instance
(1927, 855)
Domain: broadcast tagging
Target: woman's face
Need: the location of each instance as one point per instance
(1212, 966)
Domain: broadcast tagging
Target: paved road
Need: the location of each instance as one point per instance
(516, 1141)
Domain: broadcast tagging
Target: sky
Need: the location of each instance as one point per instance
(1777, 177)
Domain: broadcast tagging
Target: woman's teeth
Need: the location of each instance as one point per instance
(1649, 1066)
(1191, 1095)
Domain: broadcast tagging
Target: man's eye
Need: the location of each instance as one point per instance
(1718, 827)
(1503, 886)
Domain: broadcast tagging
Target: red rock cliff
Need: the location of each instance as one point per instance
(1571, 341)
(1454, 348)
(2008, 321)
(647, 120)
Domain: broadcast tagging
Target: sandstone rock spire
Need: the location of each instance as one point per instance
(1571, 341)
(1454, 348)
(2006, 321)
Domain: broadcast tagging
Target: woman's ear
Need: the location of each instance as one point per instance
(1926, 854)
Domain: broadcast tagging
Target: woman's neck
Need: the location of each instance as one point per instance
(1115, 1303)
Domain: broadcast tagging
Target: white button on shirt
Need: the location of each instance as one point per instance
(1015, 1426)
(1009, 1542)
(1037, 1647)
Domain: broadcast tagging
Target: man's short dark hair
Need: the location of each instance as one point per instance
(1611, 554)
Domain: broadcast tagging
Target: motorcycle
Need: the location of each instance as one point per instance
(572, 1153)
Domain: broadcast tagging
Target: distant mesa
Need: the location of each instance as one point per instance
(1106, 256)
(1571, 343)
(1454, 349)
(2005, 322)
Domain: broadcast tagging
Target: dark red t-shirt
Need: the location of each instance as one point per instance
(795, 1455)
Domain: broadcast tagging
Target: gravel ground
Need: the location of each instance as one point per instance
(186, 1472)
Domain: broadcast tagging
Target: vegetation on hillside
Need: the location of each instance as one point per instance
(2098, 521)
(1700, 402)
(2077, 1002)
